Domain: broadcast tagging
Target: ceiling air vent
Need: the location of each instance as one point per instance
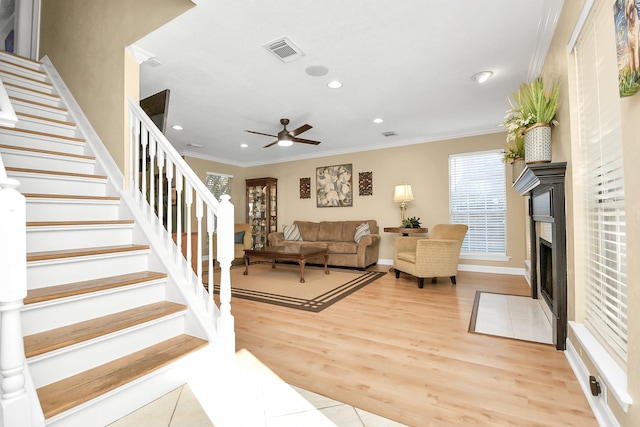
(284, 49)
(390, 133)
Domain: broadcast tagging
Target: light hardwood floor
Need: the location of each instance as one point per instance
(404, 353)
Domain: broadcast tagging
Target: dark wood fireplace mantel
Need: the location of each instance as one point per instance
(544, 183)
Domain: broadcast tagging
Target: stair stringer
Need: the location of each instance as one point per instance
(179, 288)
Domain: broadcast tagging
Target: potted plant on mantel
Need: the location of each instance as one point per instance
(514, 154)
(532, 114)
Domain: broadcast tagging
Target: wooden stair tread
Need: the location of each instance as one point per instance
(58, 173)
(45, 119)
(24, 58)
(39, 92)
(67, 196)
(39, 104)
(65, 336)
(75, 390)
(70, 253)
(31, 79)
(55, 153)
(79, 223)
(87, 286)
(48, 135)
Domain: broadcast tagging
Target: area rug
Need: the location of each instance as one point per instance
(281, 285)
(510, 316)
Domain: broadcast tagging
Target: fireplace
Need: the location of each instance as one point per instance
(544, 184)
(546, 271)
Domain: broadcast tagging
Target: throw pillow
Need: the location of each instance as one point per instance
(361, 231)
(239, 237)
(291, 232)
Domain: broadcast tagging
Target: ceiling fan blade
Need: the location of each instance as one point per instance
(301, 129)
(306, 141)
(269, 145)
(260, 133)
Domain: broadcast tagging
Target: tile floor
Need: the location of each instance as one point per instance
(514, 317)
(255, 397)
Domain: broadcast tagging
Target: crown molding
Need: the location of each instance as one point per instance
(546, 30)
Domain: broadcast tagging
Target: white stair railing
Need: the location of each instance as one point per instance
(179, 205)
(15, 409)
(8, 117)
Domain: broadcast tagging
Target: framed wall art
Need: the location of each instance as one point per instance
(305, 188)
(365, 184)
(627, 22)
(334, 186)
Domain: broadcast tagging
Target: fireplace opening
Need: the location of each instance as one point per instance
(546, 269)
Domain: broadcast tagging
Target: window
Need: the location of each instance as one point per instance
(477, 198)
(601, 173)
(218, 184)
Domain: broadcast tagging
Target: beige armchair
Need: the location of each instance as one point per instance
(238, 248)
(434, 257)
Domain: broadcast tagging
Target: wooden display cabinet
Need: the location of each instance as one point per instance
(262, 209)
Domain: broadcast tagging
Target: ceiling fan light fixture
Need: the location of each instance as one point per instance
(285, 142)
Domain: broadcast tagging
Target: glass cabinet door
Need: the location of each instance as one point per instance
(262, 211)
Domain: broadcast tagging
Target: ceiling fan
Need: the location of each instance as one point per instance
(285, 137)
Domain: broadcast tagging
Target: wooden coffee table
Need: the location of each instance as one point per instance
(300, 254)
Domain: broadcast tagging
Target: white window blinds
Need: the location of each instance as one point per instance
(477, 198)
(602, 174)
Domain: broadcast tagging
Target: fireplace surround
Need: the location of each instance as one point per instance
(544, 184)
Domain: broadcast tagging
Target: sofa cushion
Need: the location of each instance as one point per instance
(342, 248)
(308, 230)
(330, 231)
(407, 256)
(238, 237)
(361, 231)
(292, 232)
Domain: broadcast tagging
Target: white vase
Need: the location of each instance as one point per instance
(537, 143)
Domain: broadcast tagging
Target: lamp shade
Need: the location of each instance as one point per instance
(402, 193)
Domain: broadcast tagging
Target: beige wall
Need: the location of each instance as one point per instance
(86, 42)
(559, 65)
(424, 166)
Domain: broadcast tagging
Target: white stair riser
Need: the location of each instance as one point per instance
(59, 365)
(56, 184)
(46, 273)
(38, 125)
(31, 84)
(23, 139)
(70, 310)
(21, 66)
(40, 110)
(43, 161)
(71, 210)
(60, 238)
(105, 410)
(29, 95)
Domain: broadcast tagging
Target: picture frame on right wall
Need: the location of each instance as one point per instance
(627, 22)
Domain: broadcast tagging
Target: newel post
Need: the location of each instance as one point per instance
(14, 400)
(225, 250)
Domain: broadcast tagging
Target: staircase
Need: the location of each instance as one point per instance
(107, 327)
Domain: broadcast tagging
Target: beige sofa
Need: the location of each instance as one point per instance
(338, 238)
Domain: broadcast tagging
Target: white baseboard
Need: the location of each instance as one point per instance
(598, 404)
(475, 268)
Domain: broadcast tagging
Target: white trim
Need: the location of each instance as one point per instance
(612, 375)
(220, 174)
(579, 25)
(512, 271)
(139, 54)
(546, 31)
(598, 404)
(485, 256)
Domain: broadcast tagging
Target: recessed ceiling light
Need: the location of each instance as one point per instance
(378, 120)
(482, 76)
(334, 84)
(244, 145)
(317, 70)
(177, 127)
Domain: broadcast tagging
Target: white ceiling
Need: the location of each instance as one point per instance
(409, 62)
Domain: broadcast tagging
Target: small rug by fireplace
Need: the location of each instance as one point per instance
(281, 285)
(510, 316)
